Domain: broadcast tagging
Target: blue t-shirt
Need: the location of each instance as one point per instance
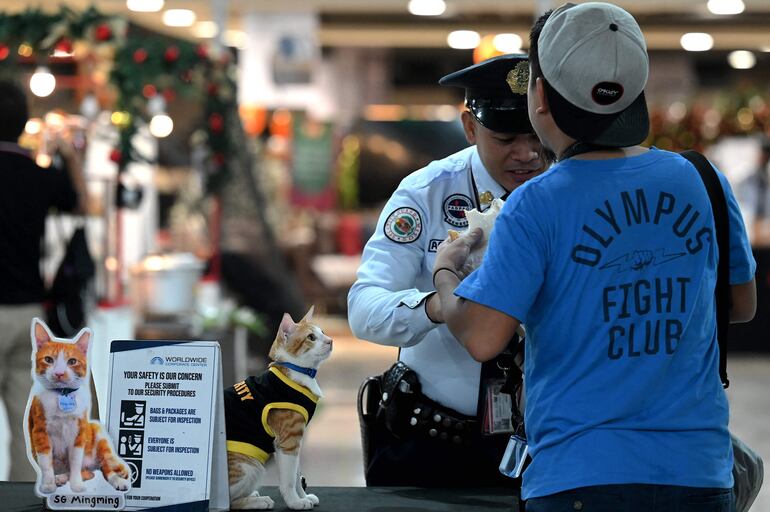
(611, 264)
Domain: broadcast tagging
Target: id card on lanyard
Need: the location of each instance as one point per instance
(496, 416)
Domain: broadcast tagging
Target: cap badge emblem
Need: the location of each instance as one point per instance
(486, 198)
(518, 78)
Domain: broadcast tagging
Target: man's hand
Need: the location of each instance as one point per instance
(483, 331)
(453, 254)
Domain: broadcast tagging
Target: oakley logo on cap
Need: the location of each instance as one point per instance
(606, 93)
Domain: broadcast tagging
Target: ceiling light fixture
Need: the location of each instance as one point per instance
(697, 41)
(179, 18)
(507, 43)
(144, 5)
(726, 6)
(742, 59)
(463, 39)
(427, 7)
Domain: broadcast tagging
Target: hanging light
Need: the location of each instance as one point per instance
(42, 82)
(742, 59)
(161, 126)
(144, 5)
(463, 39)
(427, 7)
(726, 6)
(697, 41)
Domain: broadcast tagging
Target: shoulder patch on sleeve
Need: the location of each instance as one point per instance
(403, 226)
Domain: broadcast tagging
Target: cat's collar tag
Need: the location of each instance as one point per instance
(67, 403)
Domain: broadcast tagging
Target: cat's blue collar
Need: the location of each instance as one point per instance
(310, 372)
(65, 391)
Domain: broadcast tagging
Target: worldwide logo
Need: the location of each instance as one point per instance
(455, 207)
(186, 361)
(156, 360)
(403, 225)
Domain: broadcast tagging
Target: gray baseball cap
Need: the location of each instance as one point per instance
(594, 60)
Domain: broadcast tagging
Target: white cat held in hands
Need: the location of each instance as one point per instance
(486, 222)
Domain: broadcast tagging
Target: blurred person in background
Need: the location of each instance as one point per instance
(27, 193)
(753, 193)
(393, 301)
(625, 408)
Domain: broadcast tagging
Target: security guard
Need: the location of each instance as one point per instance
(393, 301)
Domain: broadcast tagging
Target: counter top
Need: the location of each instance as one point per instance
(18, 497)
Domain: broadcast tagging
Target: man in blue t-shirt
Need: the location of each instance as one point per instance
(609, 258)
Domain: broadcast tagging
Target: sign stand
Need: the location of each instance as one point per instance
(166, 413)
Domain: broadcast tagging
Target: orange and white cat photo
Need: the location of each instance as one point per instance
(63, 444)
(269, 413)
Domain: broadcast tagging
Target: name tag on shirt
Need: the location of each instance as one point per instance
(433, 244)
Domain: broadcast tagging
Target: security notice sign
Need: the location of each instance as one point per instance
(166, 415)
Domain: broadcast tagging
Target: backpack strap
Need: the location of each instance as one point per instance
(721, 221)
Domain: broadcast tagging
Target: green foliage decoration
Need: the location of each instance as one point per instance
(144, 67)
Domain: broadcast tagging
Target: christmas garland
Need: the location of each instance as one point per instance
(144, 68)
(708, 117)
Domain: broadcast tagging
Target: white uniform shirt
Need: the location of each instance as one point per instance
(386, 303)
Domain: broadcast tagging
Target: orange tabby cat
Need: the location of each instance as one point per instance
(66, 446)
(268, 414)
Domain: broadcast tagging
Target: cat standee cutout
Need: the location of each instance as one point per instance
(73, 455)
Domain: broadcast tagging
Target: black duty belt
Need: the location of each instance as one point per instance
(409, 414)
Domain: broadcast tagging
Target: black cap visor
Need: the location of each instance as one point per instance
(502, 120)
(626, 128)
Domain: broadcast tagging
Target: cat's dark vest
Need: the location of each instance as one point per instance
(248, 403)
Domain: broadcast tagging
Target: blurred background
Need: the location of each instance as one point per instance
(237, 154)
